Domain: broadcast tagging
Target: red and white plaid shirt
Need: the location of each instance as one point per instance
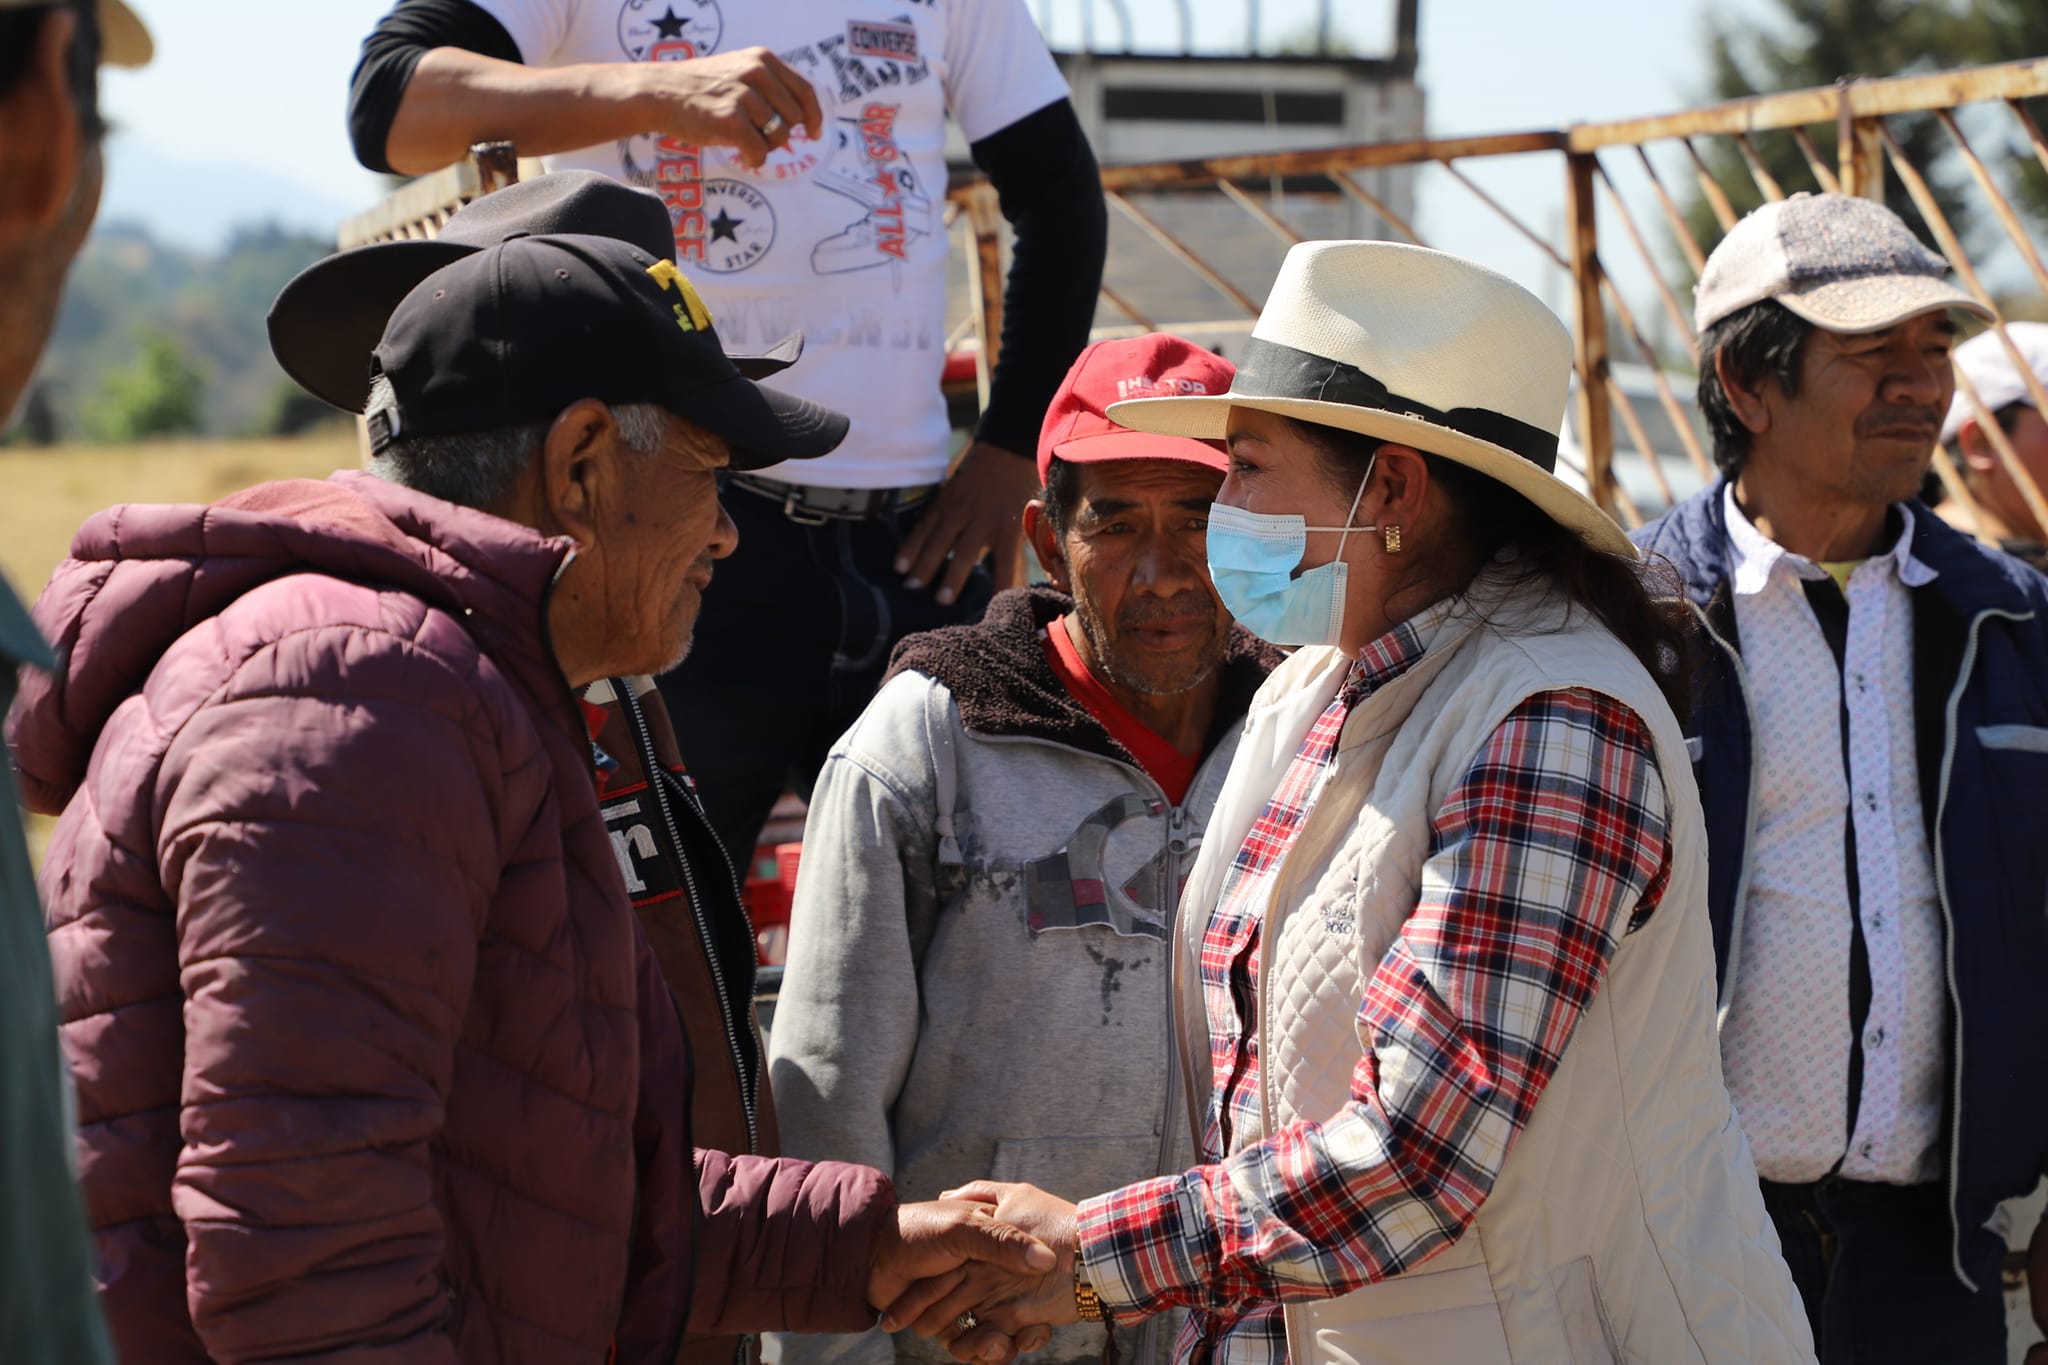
(1552, 846)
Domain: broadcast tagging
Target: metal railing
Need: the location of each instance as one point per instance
(422, 207)
(1593, 160)
(1860, 112)
(1599, 216)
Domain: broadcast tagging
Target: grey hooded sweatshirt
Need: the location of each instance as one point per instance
(977, 979)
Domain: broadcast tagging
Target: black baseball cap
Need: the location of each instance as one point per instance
(326, 320)
(518, 331)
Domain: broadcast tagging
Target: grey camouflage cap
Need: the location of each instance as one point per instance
(1842, 263)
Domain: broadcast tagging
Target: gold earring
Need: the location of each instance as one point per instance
(1393, 536)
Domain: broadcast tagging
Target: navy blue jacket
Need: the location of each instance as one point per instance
(1980, 704)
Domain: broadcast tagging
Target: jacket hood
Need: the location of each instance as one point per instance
(141, 577)
(1969, 576)
(1000, 680)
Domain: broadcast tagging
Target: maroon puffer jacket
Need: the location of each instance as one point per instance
(372, 1060)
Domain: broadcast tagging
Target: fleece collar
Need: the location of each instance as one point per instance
(1000, 680)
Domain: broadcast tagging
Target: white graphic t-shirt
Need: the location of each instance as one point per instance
(841, 237)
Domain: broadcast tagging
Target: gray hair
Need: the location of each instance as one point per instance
(478, 468)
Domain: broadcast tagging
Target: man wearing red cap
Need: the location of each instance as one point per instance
(978, 974)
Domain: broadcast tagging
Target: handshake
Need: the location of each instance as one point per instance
(987, 1270)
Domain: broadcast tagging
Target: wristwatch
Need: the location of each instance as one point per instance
(1086, 1300)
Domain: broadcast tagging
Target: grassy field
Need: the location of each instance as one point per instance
(46, 494)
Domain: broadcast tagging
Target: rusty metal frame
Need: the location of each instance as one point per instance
(1855, 110)
(422, 207)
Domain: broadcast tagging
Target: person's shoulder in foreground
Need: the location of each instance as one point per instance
(51, 164)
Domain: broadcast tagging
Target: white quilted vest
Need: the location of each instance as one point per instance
(1626, 1224)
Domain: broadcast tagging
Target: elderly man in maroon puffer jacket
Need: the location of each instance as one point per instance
(373, 1063)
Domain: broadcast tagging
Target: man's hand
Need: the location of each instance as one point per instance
(980, 509)
(455, 98)
(726, 100)
(1011, 1312)
(941, 1239)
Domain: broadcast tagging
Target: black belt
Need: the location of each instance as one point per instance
(808, 506)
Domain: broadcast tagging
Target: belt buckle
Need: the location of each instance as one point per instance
(793, 508)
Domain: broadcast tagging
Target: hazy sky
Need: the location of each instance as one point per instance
(263, 85)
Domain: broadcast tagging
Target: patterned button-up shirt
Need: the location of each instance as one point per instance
(1553, 845)
(1840, 847)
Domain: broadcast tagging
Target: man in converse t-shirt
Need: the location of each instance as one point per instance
(829, 224)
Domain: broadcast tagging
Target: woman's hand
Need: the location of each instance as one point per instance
(1011, 1314)
(935, 1241)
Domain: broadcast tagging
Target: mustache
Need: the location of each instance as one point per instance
(1179, 607)
(1913, 415)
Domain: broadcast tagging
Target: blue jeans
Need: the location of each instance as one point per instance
(796, 632)
(1872, 1263)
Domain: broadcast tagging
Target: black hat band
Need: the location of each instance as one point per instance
(1270, 369)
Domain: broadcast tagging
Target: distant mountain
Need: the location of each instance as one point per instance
(199, 205)
(128, 285)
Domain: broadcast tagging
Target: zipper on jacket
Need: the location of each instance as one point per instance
(658, 773)
(1948, 924)
(1177, 825)
(1177, 850)
(737, 1027)
(1727, 997)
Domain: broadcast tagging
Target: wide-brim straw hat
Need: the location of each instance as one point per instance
(1417, 347)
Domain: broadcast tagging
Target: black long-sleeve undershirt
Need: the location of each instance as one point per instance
(1041, 166)
(392, 52)
(1046, 179)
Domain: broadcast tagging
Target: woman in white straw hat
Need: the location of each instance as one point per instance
(1451, 1001)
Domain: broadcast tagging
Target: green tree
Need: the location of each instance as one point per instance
(162, 394)
(128, 285)
(1819, 42)
(2008, 30)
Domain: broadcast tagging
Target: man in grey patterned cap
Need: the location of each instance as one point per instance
(1871, 746)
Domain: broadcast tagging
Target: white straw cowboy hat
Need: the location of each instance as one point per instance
(1416, 347)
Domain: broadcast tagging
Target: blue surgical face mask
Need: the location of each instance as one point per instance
(1252, 558)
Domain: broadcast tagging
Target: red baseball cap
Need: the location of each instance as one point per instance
(1155, 365)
